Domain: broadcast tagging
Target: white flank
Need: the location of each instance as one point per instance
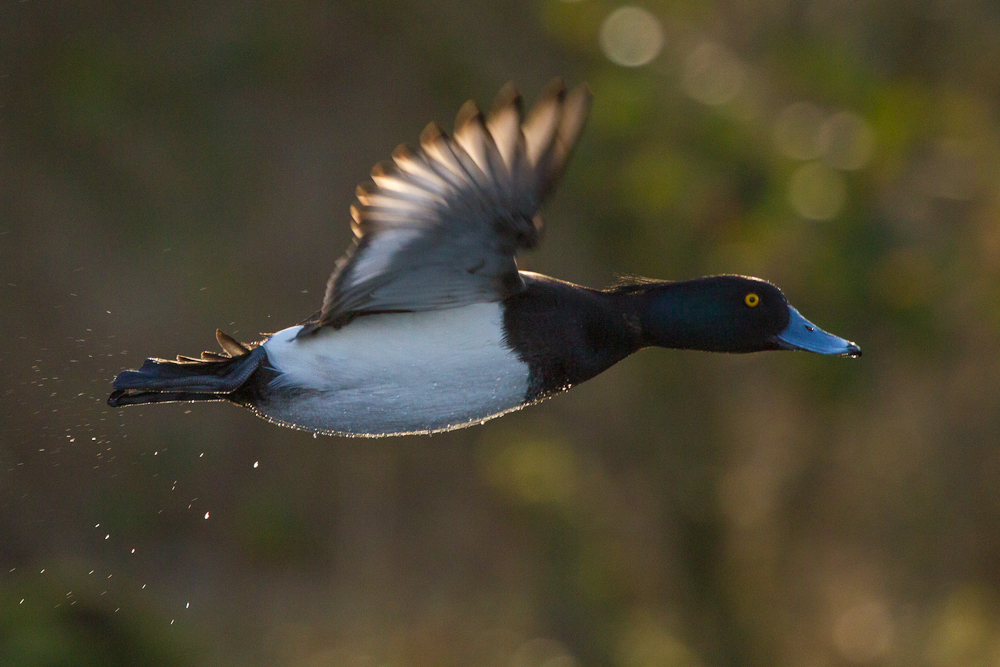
(396, 373)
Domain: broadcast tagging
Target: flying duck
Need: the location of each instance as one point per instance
(428, 325)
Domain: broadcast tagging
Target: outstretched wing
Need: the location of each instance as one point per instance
(439, 227)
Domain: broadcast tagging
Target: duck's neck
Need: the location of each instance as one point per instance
(678, 315)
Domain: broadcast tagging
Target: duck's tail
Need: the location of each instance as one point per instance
(213, 377)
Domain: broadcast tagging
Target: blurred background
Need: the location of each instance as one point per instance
(170, 168)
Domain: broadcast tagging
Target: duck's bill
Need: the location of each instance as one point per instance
(801, 334)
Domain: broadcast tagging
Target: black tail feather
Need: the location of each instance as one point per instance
(122, 397)
(214, 377)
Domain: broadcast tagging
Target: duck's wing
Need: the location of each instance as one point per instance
(439, 226)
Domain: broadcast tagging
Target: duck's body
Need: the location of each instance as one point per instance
(402, 373)
(398, 373)
(428, 325)
(394, 373)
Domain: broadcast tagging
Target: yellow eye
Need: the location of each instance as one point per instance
(751, 300)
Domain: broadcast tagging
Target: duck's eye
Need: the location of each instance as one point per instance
(751, 300)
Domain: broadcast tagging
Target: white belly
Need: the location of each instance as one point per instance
(396, 373)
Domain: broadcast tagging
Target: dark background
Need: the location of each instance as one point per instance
(170, 168)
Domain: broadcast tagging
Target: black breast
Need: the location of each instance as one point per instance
(567, 333)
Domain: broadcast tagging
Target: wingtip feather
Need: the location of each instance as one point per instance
(509, 96)
(402, 152)
(382, 168)
(556, 88)
(468, 113)
(432, 134)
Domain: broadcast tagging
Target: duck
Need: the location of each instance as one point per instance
(427, 323)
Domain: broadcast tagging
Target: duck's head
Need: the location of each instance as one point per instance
(732, 314)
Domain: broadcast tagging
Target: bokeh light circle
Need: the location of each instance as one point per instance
(631, 36)
(712, 75)
(817, 192)
(797, 130)
(846, 140)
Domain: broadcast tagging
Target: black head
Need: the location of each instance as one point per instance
(731, 314)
